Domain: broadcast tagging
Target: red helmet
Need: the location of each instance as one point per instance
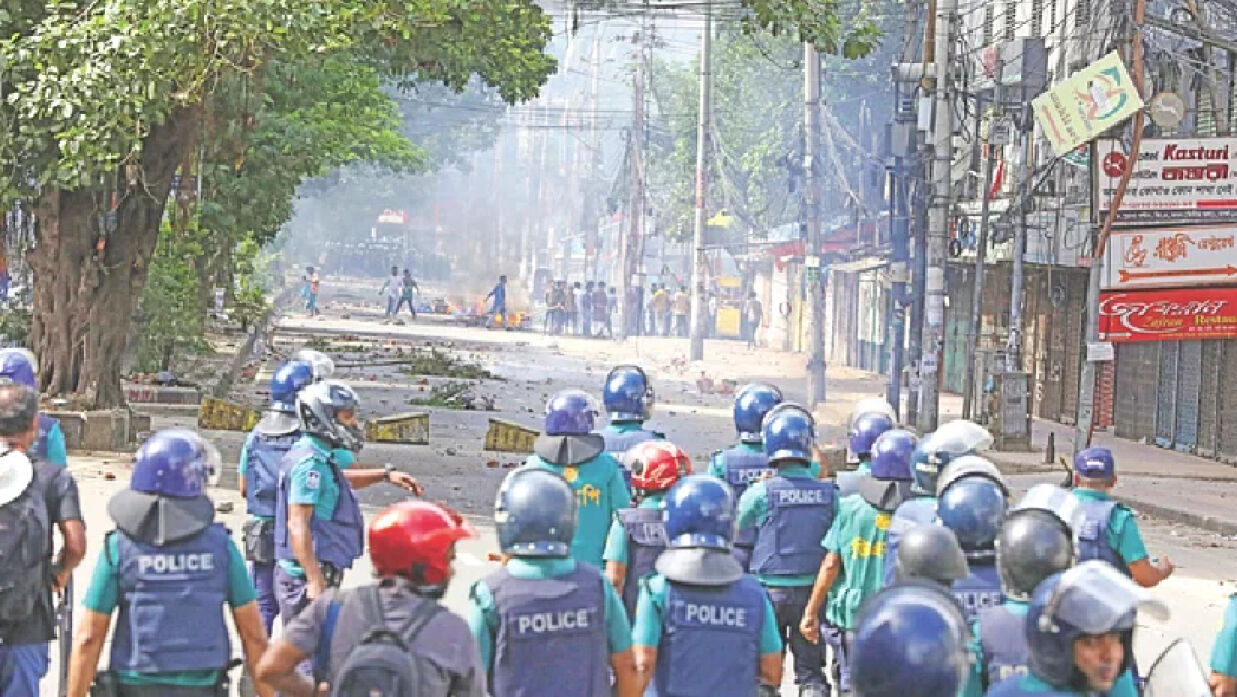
(413, 539)
(656, 465)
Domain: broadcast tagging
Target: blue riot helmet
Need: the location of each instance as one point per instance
(750, 407)
(1088, 599)
(970, 466)
(698, 515)
(18, 365)
(628, 394)
(570, 413)
(910, 639)
(166, 500)
(323, 366)
(936, 450)
(866, 430)
(872, 405)
(788, 432)
(289, 380)
(535, 511)
(974, 508)
(892, 453)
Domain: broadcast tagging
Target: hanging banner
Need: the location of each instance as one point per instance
(1171, 257)
(1086, 104)
(1169, 315)
(1176, 180)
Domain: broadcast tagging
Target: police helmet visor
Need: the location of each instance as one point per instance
(1176, 673)
(958, 437)
(1055, 500)
(872, 405)
(322, 364)
(969, 466)
(1096, 598)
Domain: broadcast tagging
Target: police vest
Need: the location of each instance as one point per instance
(789, 540)
(982, 589)
(742, 467)
(710, 640)
(39, 449)
(1091, 537)
(551, 637)
(1014, 688)
(1002, 634)
(646, 538)
(338, 541)
(910, 513)
(266, 453)
(171, 604)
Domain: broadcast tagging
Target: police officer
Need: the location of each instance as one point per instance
(167, 570)
(318, 525)
(1033, 544)
(1223, 678)
(972, 502)
(1079, 631)
(790, 514)
(570, 449)
(953, 440)
(746, 461)
(261, 456)
(703, 627)
(930, 552)
(856, 553)
(637, 536)
(546, 623)
(627, 396)
(910, 639)
(863, 434)
(411, 545)
(1108, 530)
(18, 365)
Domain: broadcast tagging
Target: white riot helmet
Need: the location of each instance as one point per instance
(318, 407)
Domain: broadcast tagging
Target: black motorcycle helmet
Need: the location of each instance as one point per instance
(1032, 545)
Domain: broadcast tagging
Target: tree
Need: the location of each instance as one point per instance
(105, 102)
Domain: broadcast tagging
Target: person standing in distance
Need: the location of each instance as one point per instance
(791, 514)
(498, 300)
(258, 471)
(1108, 530)
(703, 627)
(318, 524)
(391, 288)
(35, 495)
(746, 462)
(571, 450)
(429, 651)
(19, 366)
(637, 535)
(167, 571)
(545, 623)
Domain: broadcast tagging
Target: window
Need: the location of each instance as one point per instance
(989, 21)
(1037, 19)
(1011, 18)
(1082, 14)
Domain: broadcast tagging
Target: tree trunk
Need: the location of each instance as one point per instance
(86, 286)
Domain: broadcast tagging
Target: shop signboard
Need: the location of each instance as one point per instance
(1176, 181)
(1169, 315)
(1171, 257)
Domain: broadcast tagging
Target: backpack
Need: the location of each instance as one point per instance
(382, 663)
(25, 532)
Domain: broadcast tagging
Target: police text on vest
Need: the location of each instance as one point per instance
(175, 563)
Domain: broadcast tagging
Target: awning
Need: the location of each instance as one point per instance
(858, 265)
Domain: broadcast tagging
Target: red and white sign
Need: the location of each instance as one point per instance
(1176, 181)
(1171, 257)
(1169, 315)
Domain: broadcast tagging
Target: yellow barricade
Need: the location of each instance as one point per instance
(411, 428)
(509, 437)
(222, 415)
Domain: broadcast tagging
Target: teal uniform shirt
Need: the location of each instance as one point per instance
(601, 493)
(1123, 687)
(243, 466)
(652, 606)
(1123, 534)
(310, 482)
(754, 511)
(629, 426)
(858, 537)
(616, 542)
(103, 595)
(974, 686)
(483, 618)
(1224, 651)
(717, 468)
(57, 453)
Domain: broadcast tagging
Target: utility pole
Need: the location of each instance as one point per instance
(938, 220)
(1086, 381)
(592, 208)
(703, 146)
(1013, 348)
(635, 209)
(811, 252)
(981, 252)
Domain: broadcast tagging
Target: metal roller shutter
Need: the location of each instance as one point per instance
(1209, 400)
(1166, 407)
(1189, 383)
(1137, 376)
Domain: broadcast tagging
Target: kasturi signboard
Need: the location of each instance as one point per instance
(1166, 315)
(1176, 181)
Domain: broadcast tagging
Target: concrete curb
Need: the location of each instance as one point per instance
(1228, 528)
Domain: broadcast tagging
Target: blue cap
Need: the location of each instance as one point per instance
(19, 366)
(1095, 463)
